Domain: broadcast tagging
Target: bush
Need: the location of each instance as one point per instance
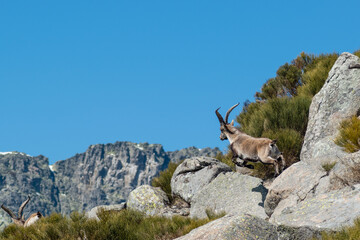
(314, 78)
(275, 114)
(164, 179)
(125, 224)
(349, 135)
(357, 53)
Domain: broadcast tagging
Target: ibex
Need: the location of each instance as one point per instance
(249, 148)
(19, 220)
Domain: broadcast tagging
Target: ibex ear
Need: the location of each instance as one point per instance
(273, 142)
(232, 123)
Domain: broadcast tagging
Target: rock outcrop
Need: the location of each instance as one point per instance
(21, 176)
(93, 213)
(195, 173)
(147, 199)
(319, 197)
(331, 210)
(337, 100)
(248, 227)
(231, 193)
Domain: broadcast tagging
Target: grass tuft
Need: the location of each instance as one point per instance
(164, 179)
(349, 135)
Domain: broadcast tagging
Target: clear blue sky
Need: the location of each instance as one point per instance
(76, 73)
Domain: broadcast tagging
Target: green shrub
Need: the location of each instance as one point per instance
(277, 113)
(125, 224)
(349, 135)
(164, 179)
(314, 78)
(328, 166)
(357, 53)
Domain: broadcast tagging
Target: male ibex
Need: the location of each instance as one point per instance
(20, 220)
(249, 148)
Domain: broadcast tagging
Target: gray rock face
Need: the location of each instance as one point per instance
(195, 173)
(232, 193)
(346, 172)
(247, 227)
(179, 155)
(338, 99)
(305, 194)
(298, 181)
(147, 199)
(331, 210)
(22, 175)
(106, 174)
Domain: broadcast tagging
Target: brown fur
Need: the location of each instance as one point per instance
(248, 148)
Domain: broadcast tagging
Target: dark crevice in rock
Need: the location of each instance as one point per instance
(197, 168)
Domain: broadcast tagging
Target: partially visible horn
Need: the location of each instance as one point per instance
(20, 214)
(221, 120)
(12, 215)
(229, 111)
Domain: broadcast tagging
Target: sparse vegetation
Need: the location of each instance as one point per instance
(112, 225)
(226, 158)
(347, 233)
(328, 166)
(164, 179)
(349, 135)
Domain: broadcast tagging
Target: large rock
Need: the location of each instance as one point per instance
(337, 100)
(21, 176)
(195, 173)
(147, 199)
(234, 227)
(331, 210)
(93, 213)
(299, 181)
(230, 192)
(247, 227)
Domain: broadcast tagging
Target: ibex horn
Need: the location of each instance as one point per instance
(221, 120)
(229, 111)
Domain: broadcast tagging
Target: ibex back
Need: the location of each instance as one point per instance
(249, 148)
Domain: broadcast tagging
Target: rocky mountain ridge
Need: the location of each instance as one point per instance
(104, 174)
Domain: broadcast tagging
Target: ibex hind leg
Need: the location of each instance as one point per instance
(270, 160)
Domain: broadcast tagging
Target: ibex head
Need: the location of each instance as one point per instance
(224, 125)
